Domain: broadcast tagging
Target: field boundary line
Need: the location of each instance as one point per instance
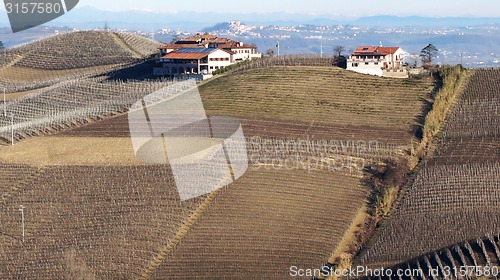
(126, 46)
(13, 62)
(181, 232)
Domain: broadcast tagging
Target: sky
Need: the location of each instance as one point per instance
(358, 8)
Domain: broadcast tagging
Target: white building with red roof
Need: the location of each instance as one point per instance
(201, 55)
(379, 61)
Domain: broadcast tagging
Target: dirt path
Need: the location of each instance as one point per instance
(124, 45)
(14, 61)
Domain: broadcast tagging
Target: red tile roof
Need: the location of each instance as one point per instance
(236, 45)
(363, 50)
(388, 50)
(181, 46)
(192, 55)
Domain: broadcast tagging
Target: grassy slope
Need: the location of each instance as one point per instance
(321, 94)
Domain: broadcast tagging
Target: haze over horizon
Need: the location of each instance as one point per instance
(362, 8)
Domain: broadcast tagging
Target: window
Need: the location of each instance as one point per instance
(354, 65)
(376, 63)
(216, 67)
(367, 63)
(211, 67)
(365, 49)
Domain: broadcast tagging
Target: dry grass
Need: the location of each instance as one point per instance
(91, 151)
(24, 74)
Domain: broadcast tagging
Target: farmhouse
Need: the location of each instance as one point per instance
(198, 56)
(379, 61)
(199, 61)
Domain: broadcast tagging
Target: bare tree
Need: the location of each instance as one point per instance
(428, 54)
(338, 59)
(338, 50)
(270, 52)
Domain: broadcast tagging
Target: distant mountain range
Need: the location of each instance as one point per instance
(473, 41)
(88, 17)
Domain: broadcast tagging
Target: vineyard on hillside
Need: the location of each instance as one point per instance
(77, 50)
(473, 130)
(90, 222)
(453, 204)
(326, 96)
(310, 132)
(71, 56)
(71, 103)
(446, 205)
(265, 222)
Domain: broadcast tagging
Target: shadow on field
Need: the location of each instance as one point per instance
(140, 71)
(426, 108)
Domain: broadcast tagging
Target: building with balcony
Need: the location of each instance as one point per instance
(379, 61)
(200, 55)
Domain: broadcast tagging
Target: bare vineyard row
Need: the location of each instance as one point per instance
(80, 49)
(462, 199)
(290, 60)
(110, 219)
(265, 222)
(466, 260)
(72, 102)
(477, 112)
(14, 86)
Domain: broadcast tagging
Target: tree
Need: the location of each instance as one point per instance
(338, 50)
(428, 54)
(338, 59)
(270, 52)
(1, 45)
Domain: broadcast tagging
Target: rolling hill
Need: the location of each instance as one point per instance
(71, 56)
(93, 211)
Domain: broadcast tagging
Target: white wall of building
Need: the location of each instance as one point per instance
(361, 67)
(244, 54)
(378, 65)
(219, 59)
